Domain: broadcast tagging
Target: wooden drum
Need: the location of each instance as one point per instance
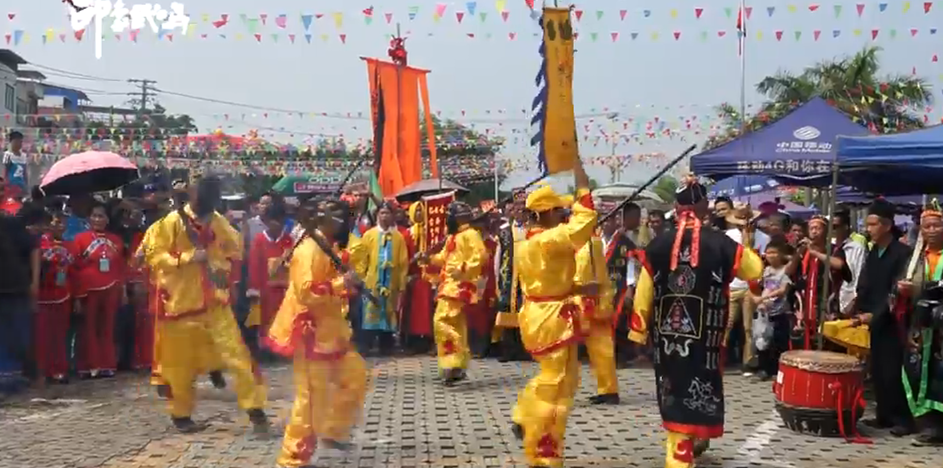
(820, 392)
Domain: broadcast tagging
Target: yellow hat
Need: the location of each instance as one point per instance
(567, 200)
(543, 199)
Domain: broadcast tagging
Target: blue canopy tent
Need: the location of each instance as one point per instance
(796, 149)
(899, 164)
(851, 196)
(739, 186)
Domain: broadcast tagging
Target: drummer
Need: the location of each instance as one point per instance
(886, 262)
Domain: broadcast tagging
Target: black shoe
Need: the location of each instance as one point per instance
(186, 425)
(518, 431)
(163, 391)
(877, 423)
(260, 422)
(701, 446)
(929, 440)
(216, 377)
(607, 399)
(453, 376)
(903, 430)
(337, 445)
(762, 376)
(106, 374)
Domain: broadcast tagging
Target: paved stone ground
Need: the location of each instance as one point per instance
(411, 421)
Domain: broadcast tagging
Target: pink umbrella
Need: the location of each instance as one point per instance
(88, 172)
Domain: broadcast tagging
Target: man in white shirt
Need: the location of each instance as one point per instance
(855, 254)
(742, 230)
(16, 167)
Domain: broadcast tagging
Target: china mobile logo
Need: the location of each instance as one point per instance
(84, 12)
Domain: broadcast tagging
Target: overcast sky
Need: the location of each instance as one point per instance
(488, 76)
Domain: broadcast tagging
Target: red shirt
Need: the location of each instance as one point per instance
(10, 206)
(264, 255)
(100, 261)
(57, 274)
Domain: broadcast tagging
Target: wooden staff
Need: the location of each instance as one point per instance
(644, 186)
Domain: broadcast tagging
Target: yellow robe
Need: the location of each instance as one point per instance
(330, 377)
(597, 311)
(550, 329)
(459, 266)
(750, 268)
(384, 317)
(195, 310)
(203, 353)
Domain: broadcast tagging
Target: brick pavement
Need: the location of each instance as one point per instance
(410, 421)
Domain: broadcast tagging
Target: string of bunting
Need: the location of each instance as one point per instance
(305, 25)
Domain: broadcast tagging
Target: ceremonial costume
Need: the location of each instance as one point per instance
(54, 306)
(923, 358)
(623, 271)
(268, 278)
(550, 324)
(597, 311)
(684, 281)
(100, 268)
(509, 295)
(418, 317)
(481, 315)
(459, 266)
(383, 265)
(195, 309)
(330, 377)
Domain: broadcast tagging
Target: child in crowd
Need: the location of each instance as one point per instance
(774, 305)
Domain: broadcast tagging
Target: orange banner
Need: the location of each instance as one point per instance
(394, 102)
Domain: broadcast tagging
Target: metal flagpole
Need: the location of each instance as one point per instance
(742, 14)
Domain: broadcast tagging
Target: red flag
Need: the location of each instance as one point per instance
(741, 30)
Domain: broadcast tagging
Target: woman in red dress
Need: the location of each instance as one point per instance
(268, 273)
(418, 315)
(101, 269)
(54, 304)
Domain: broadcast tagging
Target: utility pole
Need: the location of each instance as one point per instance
(146, 87)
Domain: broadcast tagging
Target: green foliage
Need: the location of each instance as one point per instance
(853, 84)
(665, 188)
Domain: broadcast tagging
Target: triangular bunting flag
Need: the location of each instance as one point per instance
(368, 20)
(308, 38)
(874, 34)
(599, 14)
(343, 38)
(62, 37)
(281, 21)
(504, 16)
(721, 33)
(813, 7)
(728, 11)
(770, 10)
(389, 17)
(913, 32)
(258, 37)
(698, 12)
(837, 11)
(646, 13)
(860, 8)
(483, 16)
(9, 37)
(615, 36)
(779, 35)
(935, 58)
(748, 11)
(634, 35)
(459, 15)
(170, 37)
(579, 14)
(134, 34)
(275, 37)
(511, 36)
(622, 14)
(593, 36)
(79, 34)
(471, 6)
(798, 35)
(927, 6)
(677, 35)
(470, 35)
(291, 37)
(882, 7)
(263, 17)
(816, 34)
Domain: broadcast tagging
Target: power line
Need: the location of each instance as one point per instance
(76, 75)
(146, 87)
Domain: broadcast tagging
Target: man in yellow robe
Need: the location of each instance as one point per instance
(597, 311)
(550, 323)
(209, 361)
(330, 376)
(459, 265)
(383, 263)
(192, 250)
(680, 300)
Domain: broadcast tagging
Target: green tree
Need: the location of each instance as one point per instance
(151, 124)
(461, 152)
(665, 188)
(853, 84)
(593, 185)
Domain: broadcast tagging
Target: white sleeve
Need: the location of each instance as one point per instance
(7, 157)
(630, 278)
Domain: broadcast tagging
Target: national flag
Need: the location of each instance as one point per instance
(741, 29)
